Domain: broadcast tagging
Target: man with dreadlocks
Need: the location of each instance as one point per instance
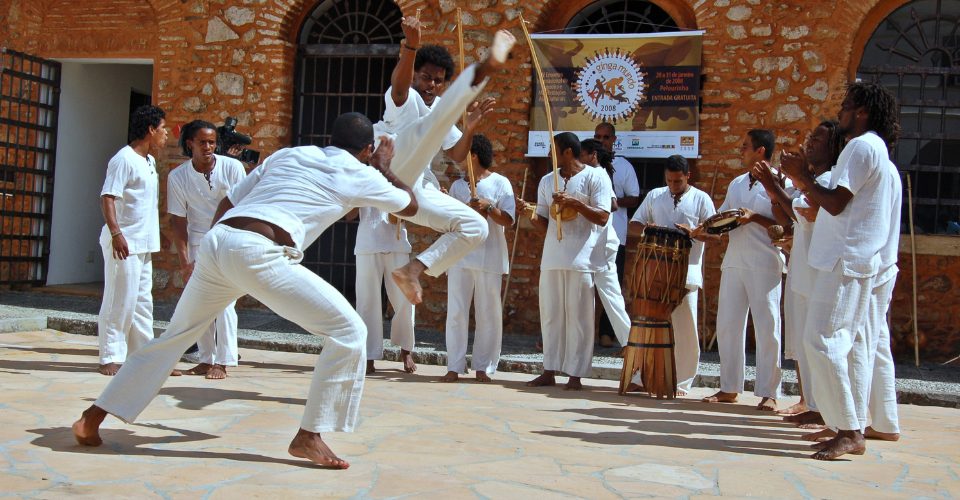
(854, 249)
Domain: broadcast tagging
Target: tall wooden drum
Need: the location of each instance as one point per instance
(655, 284)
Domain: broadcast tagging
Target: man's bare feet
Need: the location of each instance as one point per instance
(407, 279)
(573, 384)
(407, 358)
(308, 445)
(632, 387)
(483, 377)
(544, 380)
(109, 369)
(811, 427)
(846, 442)
(796, 409)
(450, 377)
(807, 417)
(370, 368)
(820, 435)
(681, 393)
(86, 430)
(872, 433)
(721, 397)
(503, 41)
(177, 373)
(767, 404)
(200, 369)
(217, 372)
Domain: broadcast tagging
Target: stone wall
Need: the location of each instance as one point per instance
(779, 65)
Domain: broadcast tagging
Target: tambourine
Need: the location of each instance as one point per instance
(567, 214)
(722, 222)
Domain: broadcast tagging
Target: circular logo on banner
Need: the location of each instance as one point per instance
(610, 85)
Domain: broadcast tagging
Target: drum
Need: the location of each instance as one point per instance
(722, 222)
(655, 284)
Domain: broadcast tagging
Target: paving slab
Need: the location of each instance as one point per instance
(419, 438)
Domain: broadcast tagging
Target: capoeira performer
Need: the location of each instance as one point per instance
(194, 190)
(607, 280)
(752, 272)
(412, 110)
(858, 220)
(626, 187)
(567, 266)
(680, 205)
(264, 223)
(822, 148)
(478, 276)
(129, 201)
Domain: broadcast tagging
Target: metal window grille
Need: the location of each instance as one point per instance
(29, 100)
(915, 53)
(348, 49)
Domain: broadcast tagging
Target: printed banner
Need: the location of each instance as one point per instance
(647, 85)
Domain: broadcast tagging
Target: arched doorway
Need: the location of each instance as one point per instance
(915, 52)
(347, 50)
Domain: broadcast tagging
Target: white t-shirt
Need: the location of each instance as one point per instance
(695, 206)
(306, 189)
(575, 251)
(750, 246)
(190, 195)
(375, 234)
(133, 181)
(611, 243)
(801, 274)
(624, 184)
(491, 256)
(857, 235)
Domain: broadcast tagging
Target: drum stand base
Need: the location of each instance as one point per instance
(649, 351)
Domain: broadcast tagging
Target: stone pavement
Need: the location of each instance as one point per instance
(421, 439)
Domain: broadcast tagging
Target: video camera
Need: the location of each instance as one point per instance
(228, 137)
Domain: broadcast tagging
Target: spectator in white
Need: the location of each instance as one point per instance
(194, 189)
(627, 190)
(129, 203)
(477, 277)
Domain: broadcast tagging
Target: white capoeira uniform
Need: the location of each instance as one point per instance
(125, 323)
(302, 190)
(192, 196)
(607, 279)
(624, 183)
(797, 289)
(478, 277)
(415, 127)
(752, 272)
(846, 251)
(567, 268)
(695, 206)
(379, 251)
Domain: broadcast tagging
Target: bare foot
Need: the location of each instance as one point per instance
(407, 358)
(200, 369)
(796, 409)
(176, 373)
(370, 368)
(109, 369)
(681, 393)
(87, 429)
(408, 279)
(309, 445)
(483, 377)
(851, 442)
(503, 41)
(872, 433)
(450, 377)
(721, 397)
(544, 380)
(811, 427)
(767, 404)
(807, 417)
(632, 387)
(573, 384)
(820, 435)
(217, 372)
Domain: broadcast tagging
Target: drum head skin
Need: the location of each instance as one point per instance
(723, 222)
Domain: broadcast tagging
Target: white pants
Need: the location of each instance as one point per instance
(686, 349)
(883, 386)
(566, 321)
(483, 289)
(611, 296)
(795, 315)
(371, 271)
(756, 292)
(231, 263)
(219, 344)
(462, 228)
(125, 323)
(838, 348)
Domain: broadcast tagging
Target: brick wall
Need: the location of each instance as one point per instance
(779, 65)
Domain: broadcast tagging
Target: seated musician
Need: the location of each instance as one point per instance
(679, 205)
